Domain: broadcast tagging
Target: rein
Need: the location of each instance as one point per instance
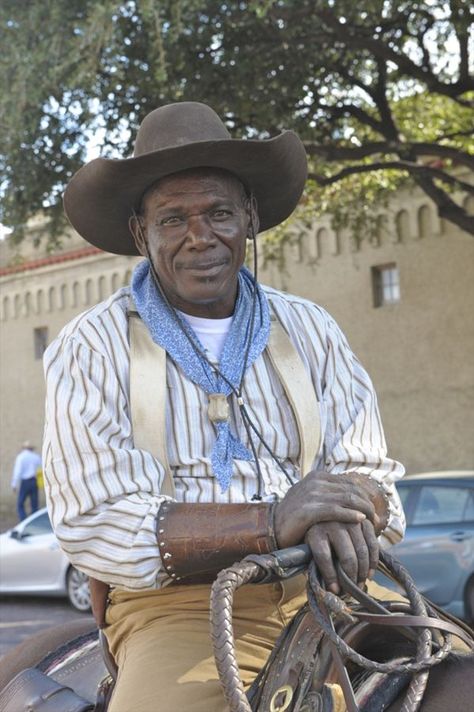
(417, 620)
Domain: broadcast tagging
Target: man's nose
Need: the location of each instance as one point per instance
(199, 232)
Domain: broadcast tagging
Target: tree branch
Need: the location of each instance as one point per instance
(381, 50)
(345, 153)
(357, 113)
(408, 166)
(447, 208)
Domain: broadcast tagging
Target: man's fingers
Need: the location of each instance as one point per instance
(334, 512)
(343, 548)
(322, 555)
(354, 501)
(362, 551)
(372, 546)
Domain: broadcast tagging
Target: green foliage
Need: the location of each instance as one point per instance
(363, 84)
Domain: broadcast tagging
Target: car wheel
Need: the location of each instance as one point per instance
(78, 592)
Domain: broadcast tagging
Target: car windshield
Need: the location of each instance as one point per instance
(38, 525)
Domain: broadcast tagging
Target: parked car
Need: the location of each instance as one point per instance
(438, 548)
(31, 562)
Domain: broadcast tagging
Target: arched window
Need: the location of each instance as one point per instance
(51, 299)
(63, 296)
(327, 242)
(28, 304)
(115, 281)
(39, 301)
(425, 226)
(322, 241)
(6, 308)
(402, 226)
(381, 232)
(297, 248)
(16, 306)
(89, 292)
(101, 288)
(76, 294)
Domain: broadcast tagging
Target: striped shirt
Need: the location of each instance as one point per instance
(104, 494)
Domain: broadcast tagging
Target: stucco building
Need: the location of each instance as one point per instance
(405, 300)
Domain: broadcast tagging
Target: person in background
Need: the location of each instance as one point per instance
(27, 463)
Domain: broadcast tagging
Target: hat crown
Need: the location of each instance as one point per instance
(177, 125)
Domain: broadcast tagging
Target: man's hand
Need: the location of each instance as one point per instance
(354, 546)
(321, 497)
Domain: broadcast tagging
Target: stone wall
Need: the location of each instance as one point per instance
(45, 297)
(419, 352)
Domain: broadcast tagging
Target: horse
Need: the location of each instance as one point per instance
(384, 658)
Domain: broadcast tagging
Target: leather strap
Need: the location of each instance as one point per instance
(299, 390)
(148, 395)
(410, 621)
(99, 597)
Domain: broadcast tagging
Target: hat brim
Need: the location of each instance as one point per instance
(101, 196)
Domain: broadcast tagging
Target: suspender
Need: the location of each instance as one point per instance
(299, 390)
(148, 394)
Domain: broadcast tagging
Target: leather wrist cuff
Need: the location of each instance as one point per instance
(199, 540)
(379, 498)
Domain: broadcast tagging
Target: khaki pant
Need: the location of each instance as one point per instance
(161, 642)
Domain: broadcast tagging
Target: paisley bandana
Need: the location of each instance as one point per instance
(173, 333)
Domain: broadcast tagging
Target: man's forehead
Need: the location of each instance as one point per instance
(195, 181)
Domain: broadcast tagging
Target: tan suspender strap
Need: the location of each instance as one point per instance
(299, 390)
(148, 395)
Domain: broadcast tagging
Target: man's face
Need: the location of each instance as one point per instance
(195, 224)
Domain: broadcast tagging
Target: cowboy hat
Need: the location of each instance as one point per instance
(101, 196)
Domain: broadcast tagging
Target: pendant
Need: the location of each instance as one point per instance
(218, 409)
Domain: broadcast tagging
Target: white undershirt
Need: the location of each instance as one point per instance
(211, 333)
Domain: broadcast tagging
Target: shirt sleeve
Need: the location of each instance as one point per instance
(354, 438)
(17, 471)
(103, 494)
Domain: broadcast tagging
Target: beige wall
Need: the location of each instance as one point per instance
(48, 296)
(419, 352)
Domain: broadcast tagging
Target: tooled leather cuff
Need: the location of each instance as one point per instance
(199, 540)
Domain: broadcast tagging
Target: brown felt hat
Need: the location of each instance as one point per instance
(100, 197)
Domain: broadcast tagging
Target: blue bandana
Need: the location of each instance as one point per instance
(161, 320)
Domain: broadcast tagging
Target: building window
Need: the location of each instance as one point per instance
(40, 336)
(386, 284)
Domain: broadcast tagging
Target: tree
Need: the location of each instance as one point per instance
(380, 91)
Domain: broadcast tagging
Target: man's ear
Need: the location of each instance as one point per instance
(136, 230)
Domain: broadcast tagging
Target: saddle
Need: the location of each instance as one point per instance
(351, 653)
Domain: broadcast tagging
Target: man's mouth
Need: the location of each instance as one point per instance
(205, 266)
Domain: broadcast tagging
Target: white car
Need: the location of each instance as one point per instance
(31, 562)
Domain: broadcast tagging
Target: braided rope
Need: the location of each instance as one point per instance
(222, 598)
(322, 604)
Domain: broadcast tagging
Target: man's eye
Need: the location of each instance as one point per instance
(221, 213)
(171, 220)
